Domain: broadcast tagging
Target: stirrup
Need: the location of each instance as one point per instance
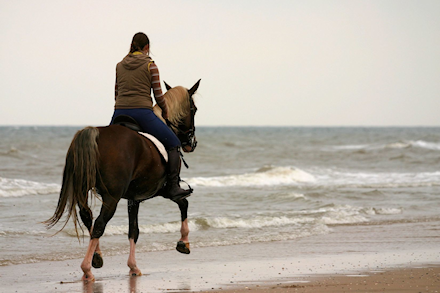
(187, 193)
(179, 197)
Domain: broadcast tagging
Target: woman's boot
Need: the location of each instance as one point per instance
(172, 188)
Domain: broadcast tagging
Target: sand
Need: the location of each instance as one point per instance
(171, 272)
(425, 279)
(346, 260)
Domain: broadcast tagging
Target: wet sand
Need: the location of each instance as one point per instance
(404, 280)
(347, 260)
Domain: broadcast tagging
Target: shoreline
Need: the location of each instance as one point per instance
(212, 271)
(309, 264)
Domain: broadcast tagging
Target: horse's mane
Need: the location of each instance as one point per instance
(177, 100)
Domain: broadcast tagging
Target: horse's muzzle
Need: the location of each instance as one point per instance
(190, 146)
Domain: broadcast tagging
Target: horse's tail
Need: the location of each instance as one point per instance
(79, 176)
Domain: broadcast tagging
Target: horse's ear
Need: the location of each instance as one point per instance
(167, 86)
(194, 88)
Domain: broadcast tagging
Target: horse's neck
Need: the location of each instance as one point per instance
(158, 111)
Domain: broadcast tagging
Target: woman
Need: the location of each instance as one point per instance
(136, 76)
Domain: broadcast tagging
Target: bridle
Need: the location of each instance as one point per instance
(187, 132)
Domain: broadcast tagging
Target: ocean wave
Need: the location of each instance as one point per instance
(336, 214)
(20, 187)
(329, 177)
(392, 145)
(426, 145)
(413, 144)
(12, 152)
(255, 222)
(384, 211)
(318, 177)
(6, 232)
(202, 223)
(329, 215)
(351, 147)
(263, 177)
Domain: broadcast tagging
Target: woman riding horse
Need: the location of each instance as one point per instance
(136, 76)
(117, 163)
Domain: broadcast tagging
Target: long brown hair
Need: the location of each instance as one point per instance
(140, 40)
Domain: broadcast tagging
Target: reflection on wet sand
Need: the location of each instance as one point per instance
(98, 286)
(93, 287)
(132, 284)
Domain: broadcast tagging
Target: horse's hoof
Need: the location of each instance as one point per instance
(97, 261)
(183, 247)
(135, 272)
(88, 278)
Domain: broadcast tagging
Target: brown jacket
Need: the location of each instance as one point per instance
(133, 82)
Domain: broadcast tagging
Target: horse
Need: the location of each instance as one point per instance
(115, 162)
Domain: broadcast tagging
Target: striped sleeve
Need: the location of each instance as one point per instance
(157, 90)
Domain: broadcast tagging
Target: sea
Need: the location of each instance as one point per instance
(251, 185)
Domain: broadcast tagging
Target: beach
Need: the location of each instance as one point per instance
(274, 208)
(321, 263)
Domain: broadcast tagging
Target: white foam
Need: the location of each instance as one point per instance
(398, 145)
(255, 222)
(329, 177)
(200, 223)
(414, 143)
(426, 144)
(277, 176)
(392, 145)
(334, 215)
(351, 147)
(290, 195)
(172, 227)
(304, 223)
(388, 211)
(20, 187)
(267, 177)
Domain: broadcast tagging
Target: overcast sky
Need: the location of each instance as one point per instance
(268, 63)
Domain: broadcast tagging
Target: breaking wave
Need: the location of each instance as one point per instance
(328, 215)
(329, 177)
(393, 145)
(263, 177)
(20, 187)
(277, 176)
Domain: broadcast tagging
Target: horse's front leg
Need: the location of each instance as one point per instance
(183, 243)
(133, 235)
(107, 211)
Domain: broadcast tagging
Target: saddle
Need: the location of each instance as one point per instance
(131, 123)
(127, 121)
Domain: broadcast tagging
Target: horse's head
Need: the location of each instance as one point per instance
(181, 114)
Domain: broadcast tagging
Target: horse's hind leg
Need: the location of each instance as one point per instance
(133, 235)
(87, 219)
(107, 211)
(183, 243)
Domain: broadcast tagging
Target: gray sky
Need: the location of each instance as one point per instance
(300, 63)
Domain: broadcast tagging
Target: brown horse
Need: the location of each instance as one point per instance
(117, 162)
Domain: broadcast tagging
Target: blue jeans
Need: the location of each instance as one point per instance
(151, 124)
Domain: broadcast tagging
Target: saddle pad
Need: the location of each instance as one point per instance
(158, 144)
